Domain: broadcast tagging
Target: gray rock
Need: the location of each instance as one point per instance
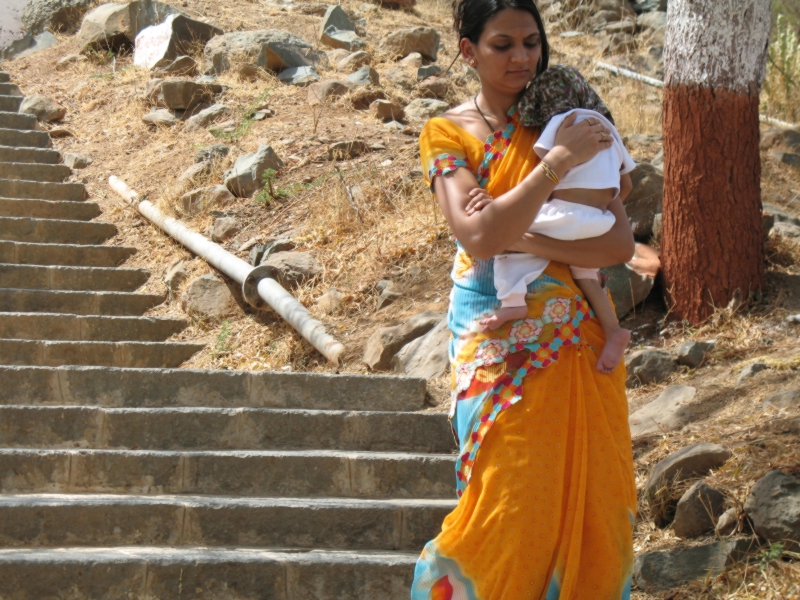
(366, 75)
(403, 42)
(347, 150)
(320, 92)
(399, 77)
(427, 356)
(649, 366)
(627, 287)
(389, 295)
(183, 66)
(208, 297)
(692, 354)
(336, 18)
(243, 46)
(645, 200)
(727, 522)
(197, 200)
(338, 30)
(152, 93)
(784, 138)
(774, 508)
(159, 45)
(162, 116)
(175, 277)
(385, 342)
(180, 94)
(361, 97)
(428, 71)
(277, 56)
(298, 76)
(213, 152)
(28, 45)
(55, 15)
(786, 230)
(68, 60)
(652, 20)
(780, 214)
(77, 160)
(784, 399)
(115, 25)
(45, 108)
(261, 252)
(786, 158)
(643, 6)
(196, 171)
(413, 60)
(224, 228)
(750, 371)
(294, 268)
(206, 117)
(669, 412)
(697, 511)
(354, 61)
(387, 111)
(425, 108)
(434, 87)
(330, 301)
(246, 175)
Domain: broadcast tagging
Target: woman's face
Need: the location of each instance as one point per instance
(508, 51)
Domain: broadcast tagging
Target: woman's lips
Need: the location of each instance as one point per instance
(521, 73)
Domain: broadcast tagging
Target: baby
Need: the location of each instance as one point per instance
(577, 208)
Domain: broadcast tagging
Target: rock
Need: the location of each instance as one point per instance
(787, 230)
(425, 108)
(116, 25)
(649, 366)
(387, 111)
(631, 283)
(152, 93)
(261, 252)
(354, 61)
(248, 46)
(196, 171)
(320, 92)
(347, 40)
(177, 35)
(652, 20)
(412, 60)
(750, 371)
(786, 158)
(347, 150)
(54, 15)
(645, 200)
(246, 175)
(277, 56)
(781, 216)
(338, 30)
(162, 116)
(774, 508)
(206, 197)
(697, 511)
(175, 277)
(212, 152)
(661, 571)
(336, 18)
(77, 160)
(294, 268)
(382, 345)
(784, 399)
(330, 301)
(727, 522)
(28, 45)
(68, 60)
(206, 117)
(362, 98)
(399, 77)
(224, 228)
(208, 297)
(366, 75)
(403, 42)
(45, 109)
(692, 354)
(183, 66)
(642, 6)
(427, 356)
(60, 132)
(669, 412)
(179, 94)
(784, 138)
(429, 71)
(434, 87)
(298, 76)
(337, 54)
(389, 295)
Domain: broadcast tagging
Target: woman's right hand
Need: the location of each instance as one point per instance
(577, 143)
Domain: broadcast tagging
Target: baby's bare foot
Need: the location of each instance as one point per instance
(503, 315)
(614, 350)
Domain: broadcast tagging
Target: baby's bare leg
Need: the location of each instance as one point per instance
(502, 316)
(617, 338)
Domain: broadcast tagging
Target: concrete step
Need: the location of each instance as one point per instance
(95, 386)
(194, 428)
(54, 231)
(247, 473)
(17, 138)
(44, 326)
(10, 89)
(77, 303)
(15, 120)
(97, 279)
(43, 156)
(49, 353)
(128, 573)
(21, 253)
(42, 190)
(10, 103)
(114, 520)
(49, 209)
(4, 77)
(34, 171)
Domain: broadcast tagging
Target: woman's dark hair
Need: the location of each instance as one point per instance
(470, 18)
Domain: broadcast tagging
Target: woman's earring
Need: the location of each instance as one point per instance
(472, 63)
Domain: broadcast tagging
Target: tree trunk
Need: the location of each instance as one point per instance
(714, 62)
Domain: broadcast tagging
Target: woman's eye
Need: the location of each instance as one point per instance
(501, 48)
(532, 45)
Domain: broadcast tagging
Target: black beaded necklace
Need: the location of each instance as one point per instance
(485, 120)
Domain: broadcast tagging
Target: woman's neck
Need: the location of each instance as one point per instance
(498, 104)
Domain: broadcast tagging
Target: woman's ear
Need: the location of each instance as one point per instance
(468, 52)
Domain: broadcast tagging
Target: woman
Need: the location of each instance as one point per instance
(545, 471)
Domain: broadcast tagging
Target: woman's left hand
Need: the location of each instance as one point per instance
(479, 198)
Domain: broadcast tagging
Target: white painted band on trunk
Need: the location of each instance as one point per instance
(717, 43)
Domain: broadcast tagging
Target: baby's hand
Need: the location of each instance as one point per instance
(478, 199)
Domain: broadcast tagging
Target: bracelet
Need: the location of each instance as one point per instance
(549, 173)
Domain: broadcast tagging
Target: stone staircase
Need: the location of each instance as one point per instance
(157, 483)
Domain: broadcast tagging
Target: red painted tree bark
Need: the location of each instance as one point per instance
(714, 64)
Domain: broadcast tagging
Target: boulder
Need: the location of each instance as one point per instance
(353, 61)
(631, 283)
(366, 75)
(54, 15)
(698, 511)
(159, 45)
(183, 66)
(425, 108)
(212, 152)
(208, 297)
(294, 268)
(362, 97)
(403, 42)
(390, 293)
(206, 117)
(347, 150)
(206, 197)
(346, 40)
(645, 200)
(224, 228)
(428, 71)
(162, 116)
(337, 19)
(750, 371)
(330, 301)
(649, 366)
(784, 399)
(412, 60)
(427, 356)
(774, 508)
(248, 46)
(77, 160)
(300, 76)
(276, 56)
(387, 111)
(727, 522)
(180, 94)
(44, 108)
(246, 175)
(692, 354)
(669, 412)
(434, 87)
(382, 345)
(115, 25)
(320, 92)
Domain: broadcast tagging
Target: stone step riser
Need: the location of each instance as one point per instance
(10, 103)
(39, 190)
(223, 429)
(42, 521)
(46, 353)
(281, 474)
(24, 139)
(53, 231)
(13, 120)
(29, 155)
(48, 209)
(33, 326)
(35, 277)
(183, 387)
(10, 89)
(69, 255)
(4, 77)
(155, 574)
(121, 304)
(34, 172)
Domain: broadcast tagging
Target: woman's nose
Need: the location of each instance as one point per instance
(519, 55)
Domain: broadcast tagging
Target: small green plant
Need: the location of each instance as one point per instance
(770, 555)
(221, 346)
(267, 193)
(246, 119)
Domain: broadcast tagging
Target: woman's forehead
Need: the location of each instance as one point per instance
(512, 22)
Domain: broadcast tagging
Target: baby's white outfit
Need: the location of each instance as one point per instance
(564, 220)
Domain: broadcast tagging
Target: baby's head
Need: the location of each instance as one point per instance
(557, 90)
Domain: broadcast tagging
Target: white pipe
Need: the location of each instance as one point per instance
(777, 122)
(234, 267)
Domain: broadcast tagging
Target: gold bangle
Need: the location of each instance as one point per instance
(549, 173)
